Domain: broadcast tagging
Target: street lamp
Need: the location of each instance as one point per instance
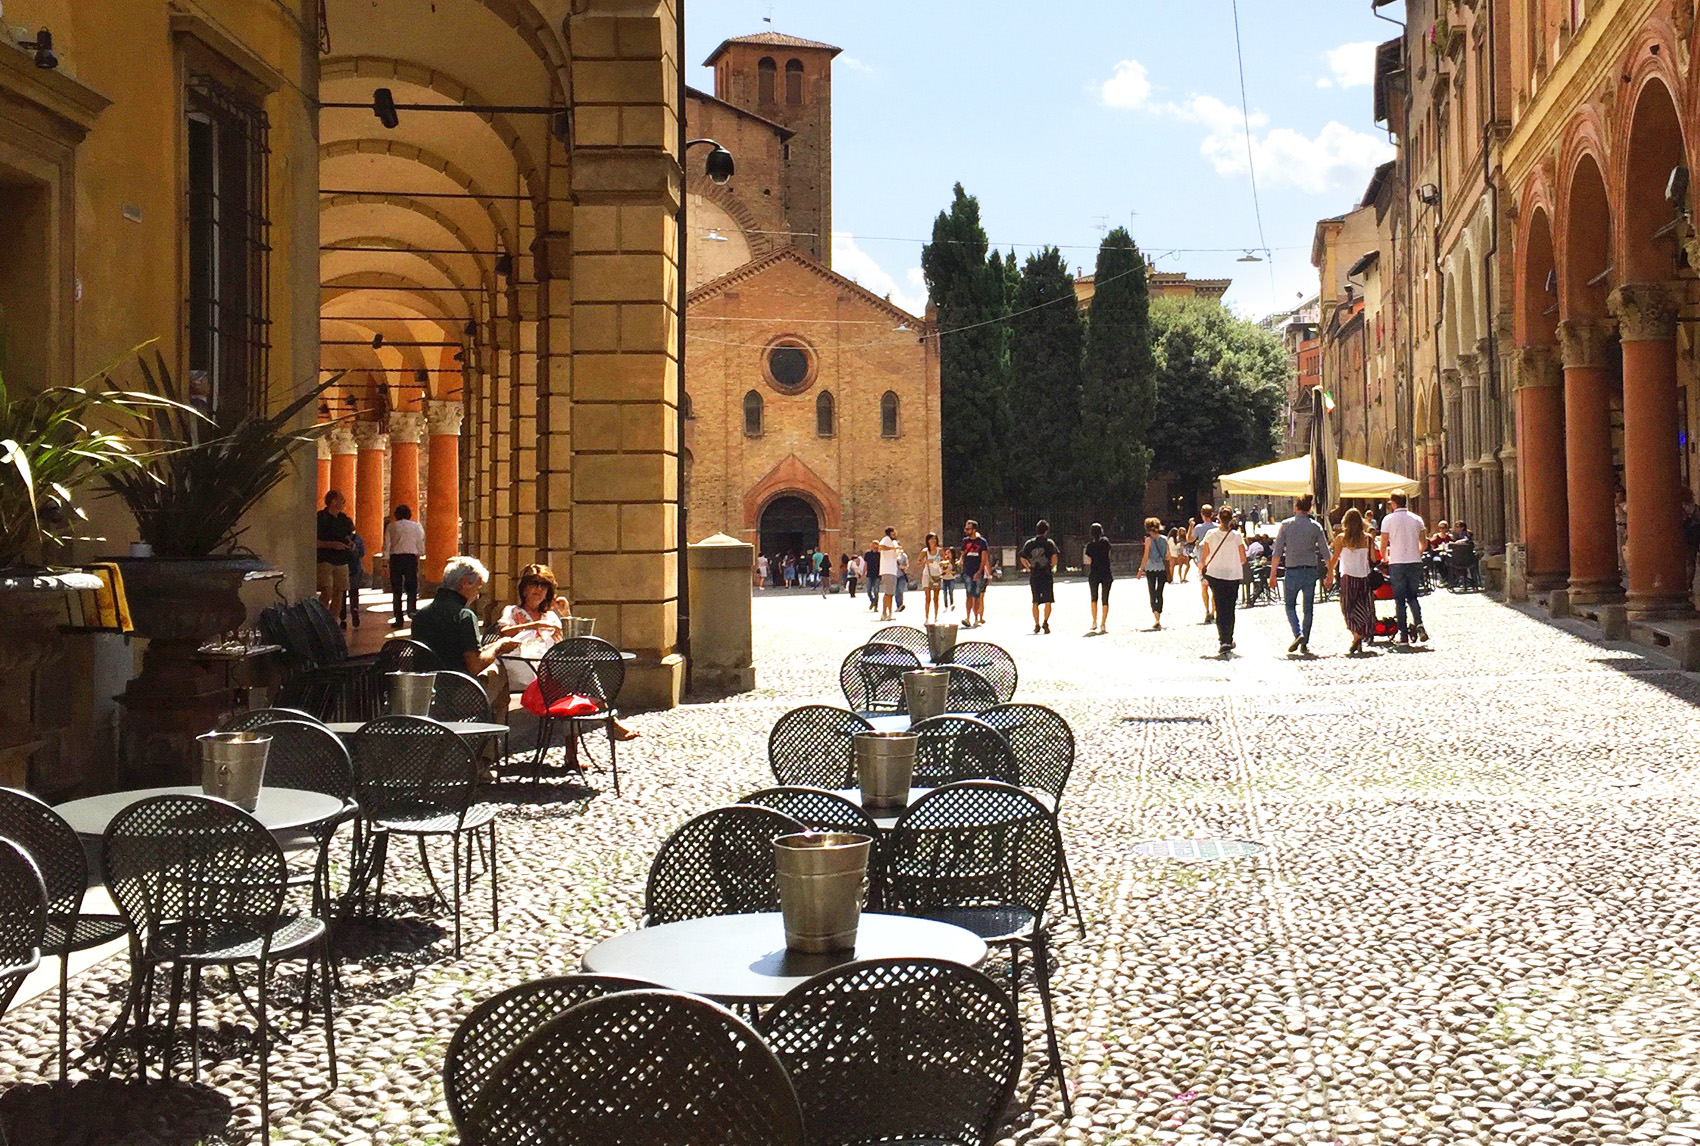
(719, 166)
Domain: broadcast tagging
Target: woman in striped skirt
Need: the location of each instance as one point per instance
(1354, 554)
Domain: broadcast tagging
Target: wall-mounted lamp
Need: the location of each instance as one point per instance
(377, 340)
(1428, 194)
(719, 166)
(42, 46)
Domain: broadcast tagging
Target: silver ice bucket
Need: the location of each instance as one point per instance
(233, 765)
(410, 693)
(578, 626)
(885, 763)
(925, 693)
(820, 888)
(941, 642)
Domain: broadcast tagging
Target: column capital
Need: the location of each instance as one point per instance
(1451, 383)
(342, 441)
(1469, 374)
(407, 426)
(1645, 313)
(444, 417)
(1585, 343)
(371, 436)
(1538, 366)
(323, 445)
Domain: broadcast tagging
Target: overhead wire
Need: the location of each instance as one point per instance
(1250, 156)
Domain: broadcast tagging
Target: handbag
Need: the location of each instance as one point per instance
(1376, 577)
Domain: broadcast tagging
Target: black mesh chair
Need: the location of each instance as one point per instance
(201, 883)
(823, 811)
(718, 863)
(307, 756)
(983, 855)
(955, 748)
(254, 717)
(502, 1022)
(1044, 758)
(812, 745)
(656, 1068)
(898, 1051)
(459, 698)
(992, 662)
(905, 637)
(399, 654)
(414, 777)
(23, 920)
(872, 677)
(584, 667)
(968, 690)
(63, 864)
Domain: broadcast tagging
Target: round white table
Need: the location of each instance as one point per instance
(465, 728)
(278, 809)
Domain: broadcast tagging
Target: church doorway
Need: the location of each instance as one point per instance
(789, 525)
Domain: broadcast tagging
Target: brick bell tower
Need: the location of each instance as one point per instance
(788, 80)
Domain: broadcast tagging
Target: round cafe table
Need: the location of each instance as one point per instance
(464, 728)
(901, 721)
(743, 958)
(278, 809)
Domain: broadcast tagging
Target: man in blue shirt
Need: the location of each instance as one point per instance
(1302, 549)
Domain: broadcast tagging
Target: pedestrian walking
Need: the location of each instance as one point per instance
(871, 572)
(902, 575)
(1154, 563)
(1199, 532)
(888, 548)
(1221, 560)
(1302, 550)
(335, 528)
(1402, 541)
(356, 574)
(852, 572)
(1180, 556)
(404, 545)
(1039, 556)
(932, 578)
(948, 571)
(976, 571)
(1353, 559)
(1099, 576)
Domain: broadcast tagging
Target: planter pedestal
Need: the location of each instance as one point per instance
(32, 607)
(178, 604)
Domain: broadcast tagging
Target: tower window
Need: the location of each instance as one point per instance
(767, 80)
(752, 414)
(794, 82)
(825, 415)
(888, 414)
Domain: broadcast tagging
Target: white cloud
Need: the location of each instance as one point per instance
(854, 64)
(1129, 87)
(860, 267)
(1353, 65)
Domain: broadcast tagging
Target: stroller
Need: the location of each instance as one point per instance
(1386, 627)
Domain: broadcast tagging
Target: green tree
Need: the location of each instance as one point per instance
(1118, 391)
(968, 290)
(1046, 340)
(1221, 389)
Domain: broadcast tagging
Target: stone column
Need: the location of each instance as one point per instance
(1646, 318)
(324, 449)
(369, 484)
(442, 500)
(343, 471)
(1540, 474)
(1589, 480)
(406, 428)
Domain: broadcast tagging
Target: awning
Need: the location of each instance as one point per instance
(1291, 478)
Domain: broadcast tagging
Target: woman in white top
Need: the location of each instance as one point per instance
(1354, 553)
(932, 578)
(1221, 558)
(535, 621)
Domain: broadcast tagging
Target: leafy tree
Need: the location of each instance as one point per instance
(1045, 346)
(968, 289)
(1221, 389)
(1117, 395)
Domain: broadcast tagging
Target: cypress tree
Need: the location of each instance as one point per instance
(1046, 343)
(1118, 392)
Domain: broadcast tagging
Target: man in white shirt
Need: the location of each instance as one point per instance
(1403, 539)
(404, 545)
(1206, 522)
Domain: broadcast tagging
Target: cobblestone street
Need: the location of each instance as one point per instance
(1475, 918)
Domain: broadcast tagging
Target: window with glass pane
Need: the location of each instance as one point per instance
(752, 414)
(825, 416)
(888, 415)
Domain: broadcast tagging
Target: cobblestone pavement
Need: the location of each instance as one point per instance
(1475, 919)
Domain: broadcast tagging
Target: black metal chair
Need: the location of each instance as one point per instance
(254, 717)
(202, 883)
(718, 863)
(812, 746)
(898, 1051)
(459, 698)
(954, 748)
(502, 1022)
(983, 855)
(63, 864)
(822, 811)
(584, 667)
(414, 777)
(968, 690)
(321, 678)
(905, 637)
(1044, 757)
(992, 662)
(872, 677)
(23, 919)
(307, 756)
(399, 654)
(654, 1067)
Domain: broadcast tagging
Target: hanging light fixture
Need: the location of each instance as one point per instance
(715, 237)
(1250, 257)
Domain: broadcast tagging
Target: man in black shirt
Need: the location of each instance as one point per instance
(1039, 556)
(871, 559)
(336, 534)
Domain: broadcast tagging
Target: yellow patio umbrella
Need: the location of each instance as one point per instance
(1292, 478)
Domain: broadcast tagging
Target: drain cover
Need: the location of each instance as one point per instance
(1187, 850)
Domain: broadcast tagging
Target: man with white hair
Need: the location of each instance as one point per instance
(449, 628)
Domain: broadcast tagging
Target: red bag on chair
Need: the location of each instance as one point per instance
(568, 706)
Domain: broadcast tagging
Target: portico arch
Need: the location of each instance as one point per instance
(1545, 508)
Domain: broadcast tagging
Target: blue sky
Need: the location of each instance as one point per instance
(1065, 116)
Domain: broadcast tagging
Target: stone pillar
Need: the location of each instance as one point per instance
(406, 428)
(1589, 479)
(442, 500)
(343, 470)
(324, 449)
(1540, 474)
(369, 484)
(1646, 318)
(722, 648)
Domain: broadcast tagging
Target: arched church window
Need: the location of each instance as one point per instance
(767, 79)
(888, 414)
(794, 82)
(752, 414)
(687, 409)
(826, 415)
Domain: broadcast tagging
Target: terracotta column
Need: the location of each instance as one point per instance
(1658, 568)
(406, 428)
(343, 472)
(1540, 475)
(324, 446)
(442, 514)
(1588, 463)
(369, 484)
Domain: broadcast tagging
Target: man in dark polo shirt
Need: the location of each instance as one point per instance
(336, 534)
(449, 628)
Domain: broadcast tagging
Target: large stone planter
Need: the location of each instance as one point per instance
(32, 607)
(178, 604)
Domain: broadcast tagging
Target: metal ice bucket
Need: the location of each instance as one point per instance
(410, 693)
(820, 888)
(885, 763)
(233, 765)
(578, 626)
(941, 642)
(926, 692)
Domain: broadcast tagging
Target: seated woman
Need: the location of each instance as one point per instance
(535, 622)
